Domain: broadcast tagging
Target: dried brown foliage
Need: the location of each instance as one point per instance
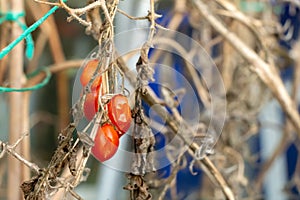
(247, 59)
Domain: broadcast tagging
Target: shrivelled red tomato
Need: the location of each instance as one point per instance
(87, 74)
(119, 112)
(106, 143)
(91, 105)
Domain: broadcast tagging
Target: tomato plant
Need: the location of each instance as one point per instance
(119, 112)
(106, 143)
(87, 74)
(91, 105)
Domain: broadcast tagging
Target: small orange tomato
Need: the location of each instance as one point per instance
(87, 74)
(119, 113)
(91, 106)
(106, 143)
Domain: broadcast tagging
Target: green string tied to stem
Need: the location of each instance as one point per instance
(15, 17)
(10, 16)
(26, 32)
(35, 87)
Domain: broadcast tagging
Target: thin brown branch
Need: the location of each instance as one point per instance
(10, 149)
(180, 6)
(131, 17)
(93, 17)
(266, 72)
(65, 65)
(296, 82)
(62, 77)
(202, 92)
(268, 164)
(171, 180)
(73, 14)
(149, 98)
(40, 45)
(152, 18)
(49, 29)
(47, 3)
(206, 162)
(285, 139)
(56, 68)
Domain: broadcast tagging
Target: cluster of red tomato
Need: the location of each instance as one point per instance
(107, 138)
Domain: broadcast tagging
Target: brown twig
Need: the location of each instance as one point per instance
(206, 162)
(40, 44)
(171, 180)
(10, 149)
(179, 9)
(285, 139)
(152, 17)
(173, 124)
(265, 71)
(202, 92)
(62, 78)
(82, 154)
(151, 100)
(131, 17)
(49, 29)
(93, 17)
(54, 69)
(42, 37)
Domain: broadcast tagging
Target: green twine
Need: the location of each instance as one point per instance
(35, 87)
(252, 6)
(14, 17)
(10, 16)
(26, 32)
(257, 7)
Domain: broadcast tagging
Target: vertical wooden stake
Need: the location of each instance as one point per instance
(15, 104)
(3, 40)
(25, 145)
